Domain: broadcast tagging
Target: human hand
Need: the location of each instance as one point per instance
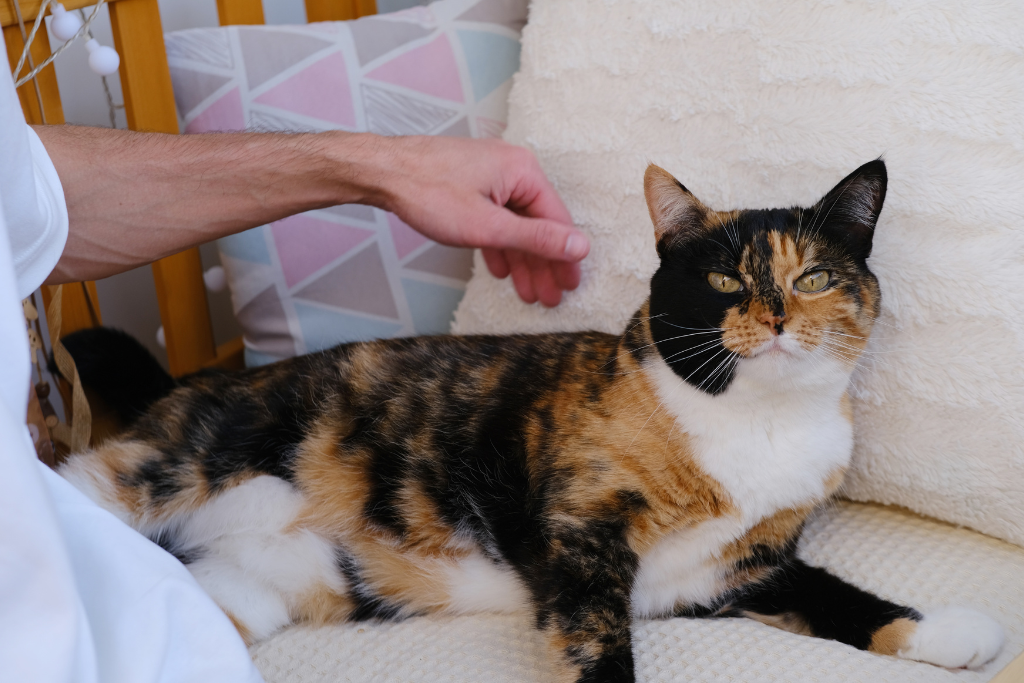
(486, 194)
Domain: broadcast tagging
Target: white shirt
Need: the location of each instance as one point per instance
(83, 597)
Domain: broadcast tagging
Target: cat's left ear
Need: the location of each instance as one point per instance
(675, 212)
(851, 208)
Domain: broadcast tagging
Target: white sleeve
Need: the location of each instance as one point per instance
(34, 208)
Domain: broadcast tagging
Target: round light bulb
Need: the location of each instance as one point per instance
(102, 59)
(64, 24)
(216, 279)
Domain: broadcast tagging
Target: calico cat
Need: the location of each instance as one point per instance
(588, 478)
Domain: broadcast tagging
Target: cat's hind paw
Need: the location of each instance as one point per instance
(954, 637)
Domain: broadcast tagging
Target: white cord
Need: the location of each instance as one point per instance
(85, 27)
(31, 37)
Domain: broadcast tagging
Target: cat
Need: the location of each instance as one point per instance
(589, 478)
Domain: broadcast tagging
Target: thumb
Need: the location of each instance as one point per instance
(541, 237)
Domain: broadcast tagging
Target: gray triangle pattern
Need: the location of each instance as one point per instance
(376, 37)
(192, 87)
(388, 113)
(209, 46)
(263, 122)
(267, 53)
(360, 212)
(459, 129)
(445, 261)
(511, 13)
(359, 283)
(264, 318)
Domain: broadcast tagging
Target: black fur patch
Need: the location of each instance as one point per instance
(831, 607)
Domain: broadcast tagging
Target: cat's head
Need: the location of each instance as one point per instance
(774, 292)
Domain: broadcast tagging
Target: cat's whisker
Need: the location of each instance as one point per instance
(698, 349)
(719, 369)
(632, 351)
(878, 321)
(697, 353)
(841, 334)
(699, 329)
(725, 350)
(850, 347)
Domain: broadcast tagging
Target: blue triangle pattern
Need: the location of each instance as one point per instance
(247, 246)
(254, 359)
(322, 328)
(492, 60)
(432, 306)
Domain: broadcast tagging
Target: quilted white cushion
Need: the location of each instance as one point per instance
(756, 103)
(897, 554)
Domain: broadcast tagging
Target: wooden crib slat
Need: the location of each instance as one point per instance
(149, 105)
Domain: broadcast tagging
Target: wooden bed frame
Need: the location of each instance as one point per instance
(149, 105)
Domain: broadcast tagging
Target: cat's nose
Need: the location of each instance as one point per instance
(774, 322)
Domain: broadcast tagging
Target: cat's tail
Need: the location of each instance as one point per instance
(117, 369)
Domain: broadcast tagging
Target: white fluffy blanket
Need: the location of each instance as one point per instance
(756, 103)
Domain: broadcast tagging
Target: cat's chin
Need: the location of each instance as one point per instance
(782, 363)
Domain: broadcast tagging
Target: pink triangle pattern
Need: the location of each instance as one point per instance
(429, 69)
(306, 244)
(321, 91)
(405, 238)
(489, 128)
(224, 114)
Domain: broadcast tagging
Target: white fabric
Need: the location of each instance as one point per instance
(755, 103)
(899, 555)
(82, 597)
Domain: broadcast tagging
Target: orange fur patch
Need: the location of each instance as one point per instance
(892, 637)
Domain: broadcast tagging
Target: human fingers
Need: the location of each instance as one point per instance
(543, 280)
(541, 237)
(532, 194)
(496, 262)
(521, 276)
(567, 275)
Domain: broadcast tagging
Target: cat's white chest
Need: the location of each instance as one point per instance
(770, 447)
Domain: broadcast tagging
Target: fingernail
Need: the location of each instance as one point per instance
(576, 246)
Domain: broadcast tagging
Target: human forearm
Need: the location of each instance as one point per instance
(136, 197)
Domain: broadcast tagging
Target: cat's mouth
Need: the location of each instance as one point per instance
(782, 345)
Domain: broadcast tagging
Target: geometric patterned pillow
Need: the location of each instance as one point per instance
(353, 272)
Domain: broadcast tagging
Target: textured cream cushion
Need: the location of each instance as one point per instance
(899, 555)
(756, 103)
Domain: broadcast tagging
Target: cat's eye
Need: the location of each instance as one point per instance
(813, 282)
(724, 283)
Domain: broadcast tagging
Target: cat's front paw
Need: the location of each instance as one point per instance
(954, 637)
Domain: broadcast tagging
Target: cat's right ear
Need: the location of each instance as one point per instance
(675, 212)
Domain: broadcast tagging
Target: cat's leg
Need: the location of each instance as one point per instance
(246, 550)
(810, 600)
(584, 604)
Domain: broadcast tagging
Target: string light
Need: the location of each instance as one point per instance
(102, 59)
(64, 25)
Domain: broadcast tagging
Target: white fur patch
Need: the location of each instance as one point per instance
(476, 584)
(955, 637)
(680, 568)
(85, 472)
(251, 564)
(772, 439)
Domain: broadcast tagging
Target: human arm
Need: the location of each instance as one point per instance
(136, 197)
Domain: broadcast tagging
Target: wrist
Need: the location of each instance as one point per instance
(362, 168)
